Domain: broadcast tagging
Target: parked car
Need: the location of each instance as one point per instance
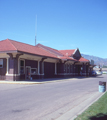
(93, 73)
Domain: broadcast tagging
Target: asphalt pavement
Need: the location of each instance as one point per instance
(49, 99)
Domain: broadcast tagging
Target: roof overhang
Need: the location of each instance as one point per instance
(22, 52)
(10, 51)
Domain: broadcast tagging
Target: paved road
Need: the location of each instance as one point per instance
(46, 101)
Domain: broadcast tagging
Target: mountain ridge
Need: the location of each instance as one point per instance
(97, 60)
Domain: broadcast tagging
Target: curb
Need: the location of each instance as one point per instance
(25, 82)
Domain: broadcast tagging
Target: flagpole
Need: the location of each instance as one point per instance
(36, 30)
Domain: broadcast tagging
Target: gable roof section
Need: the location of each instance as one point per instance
(77, 54)
(83, 60)
(55, 52)
(51, 50)
(10, 45)
(71, 53)
(5, 45)
(67, 52)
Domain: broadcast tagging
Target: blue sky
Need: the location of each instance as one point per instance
(61, 24)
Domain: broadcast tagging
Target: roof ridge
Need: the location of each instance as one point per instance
(11, 43)
(75, 51)
(44, 47)
(21, 42)
(66, 49)
(48, 47)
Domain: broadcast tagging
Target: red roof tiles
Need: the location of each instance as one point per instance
(6, 45)
(83, 60)
(56, 52)
(41, 50)
(51, 50)
(10, 45)
(67, 52)
(70, 53)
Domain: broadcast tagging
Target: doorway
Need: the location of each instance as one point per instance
(28, 72)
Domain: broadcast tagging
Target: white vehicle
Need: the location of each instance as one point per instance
(99, 72)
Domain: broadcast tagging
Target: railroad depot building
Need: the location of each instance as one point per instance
(20, 61)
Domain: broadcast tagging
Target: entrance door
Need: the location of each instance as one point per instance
(49, 70)
(28, 72)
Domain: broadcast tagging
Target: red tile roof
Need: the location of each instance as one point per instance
(83, 60)
(10, 45)
(6, 45)
(41, 50)
(51, 50)
(67, 58)
(67, 52)
(70, 53)
(56, 52)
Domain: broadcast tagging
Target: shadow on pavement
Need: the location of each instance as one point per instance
(99, 116)
(53, 79)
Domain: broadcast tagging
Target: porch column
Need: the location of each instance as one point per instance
(55, 68)
(7, 66)
(38, 67)
(12, 67)
(43, 68)
(69, 68)
(74, 67)
(84, 69)
(87, 70)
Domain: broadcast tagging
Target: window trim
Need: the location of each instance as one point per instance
(1, 63)
(22, 66)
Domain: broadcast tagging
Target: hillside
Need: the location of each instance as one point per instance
(97, 60)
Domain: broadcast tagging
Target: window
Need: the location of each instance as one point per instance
(1, 63)
(22, 66)
(33, 71)
(66, 68)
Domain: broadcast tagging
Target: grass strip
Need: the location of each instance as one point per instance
(97, 111)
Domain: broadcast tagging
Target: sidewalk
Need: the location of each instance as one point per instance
(80, 106)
